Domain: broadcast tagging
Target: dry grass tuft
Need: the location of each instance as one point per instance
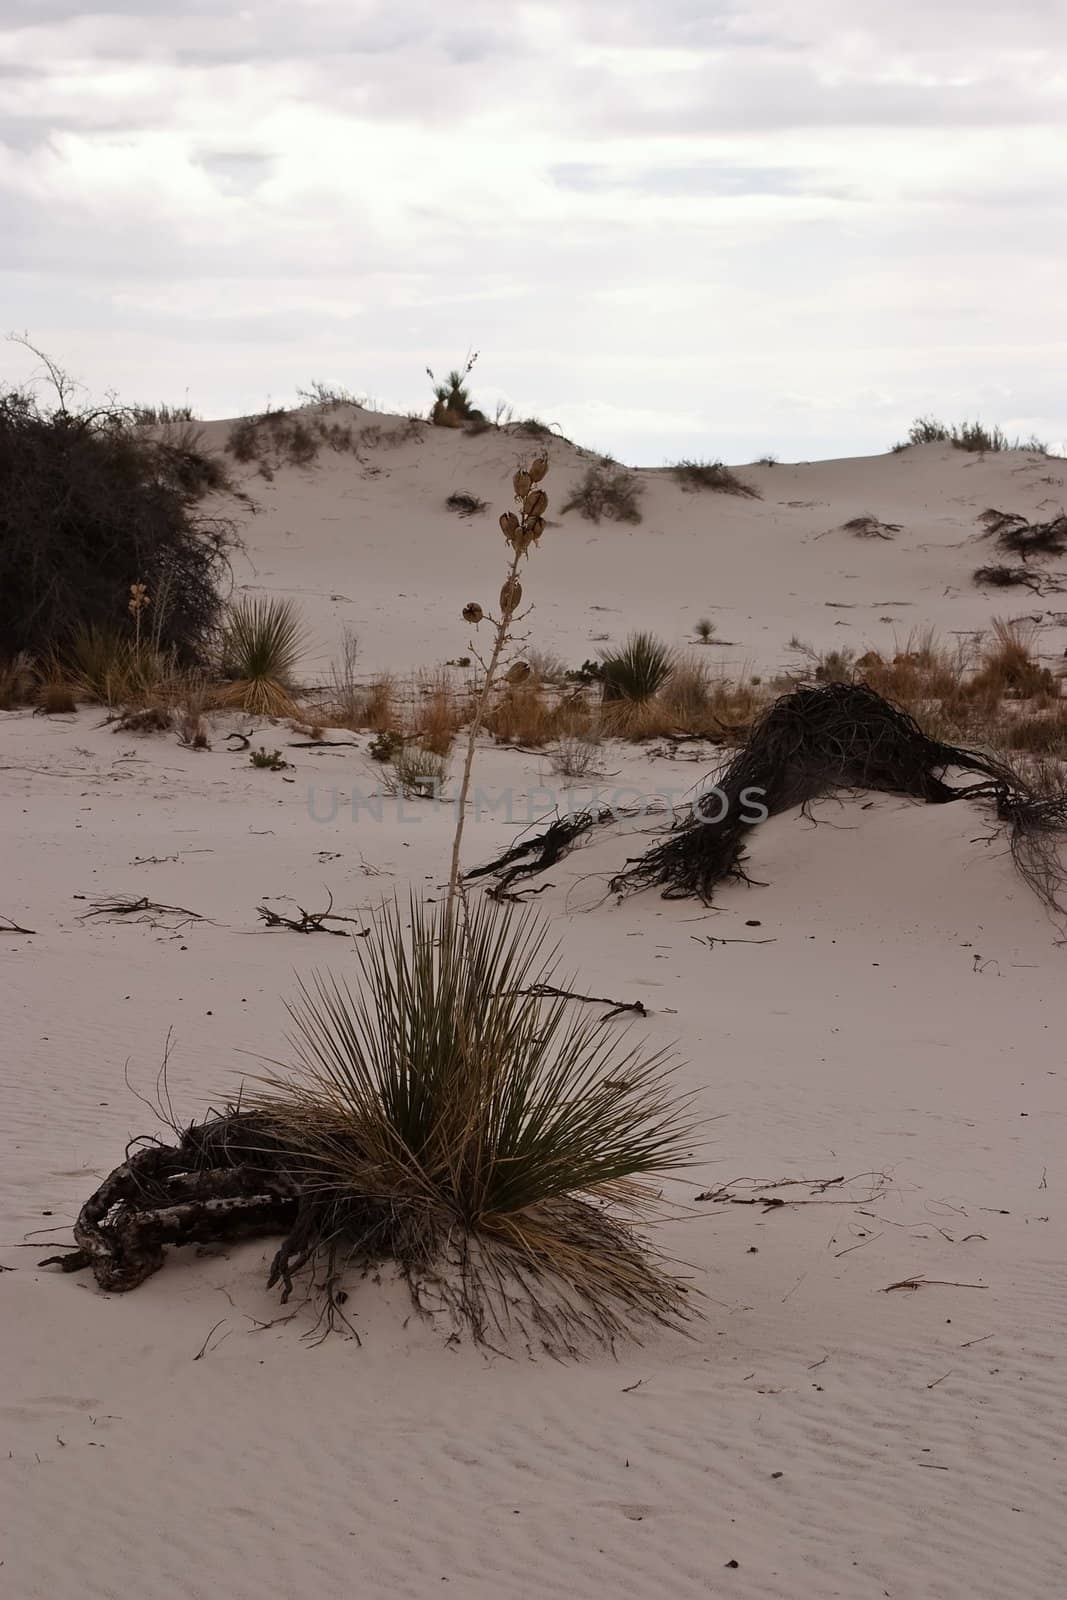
(700, 475)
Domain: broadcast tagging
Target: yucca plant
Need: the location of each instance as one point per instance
(637, 671)
(483, 1136)
(262, 643)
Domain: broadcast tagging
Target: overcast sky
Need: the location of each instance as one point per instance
(687, 227)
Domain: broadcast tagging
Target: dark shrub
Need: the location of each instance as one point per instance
(90, 505)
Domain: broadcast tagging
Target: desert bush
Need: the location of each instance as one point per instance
(1017, 537)
(696, 475)
(507, 1134)
(261, 645)
(385, 745)
(522, 715)
(546, 666)
(330, 396)
(162, 416)
(636, 671)
(835, 666)
(346, 702)
(999, 576)
(452, 405)
(417, 773)
(607, 490)
(579, 755)
(465, 504)
(91, 503)
(704, 630)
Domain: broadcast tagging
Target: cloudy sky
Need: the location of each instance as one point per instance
(711, 227)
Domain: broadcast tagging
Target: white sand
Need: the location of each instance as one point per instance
(904, 1031)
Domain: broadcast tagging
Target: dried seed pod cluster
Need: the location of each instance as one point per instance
(524, 530)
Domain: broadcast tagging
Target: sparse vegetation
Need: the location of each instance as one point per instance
(607, 491)
(868, 527)
(704, 630)
(268, 760)
(973, 436)
(713, 475)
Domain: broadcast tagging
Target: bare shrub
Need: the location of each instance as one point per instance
(607, 491)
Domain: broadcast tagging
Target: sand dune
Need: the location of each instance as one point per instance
(815, 1436)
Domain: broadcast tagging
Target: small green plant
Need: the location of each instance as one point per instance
(268, 760)
(385, 745)
(637, 671)
(261, 646)
(607, 490)
(705, 630)
(696, 475)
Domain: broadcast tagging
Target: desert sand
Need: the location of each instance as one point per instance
(889, 1055)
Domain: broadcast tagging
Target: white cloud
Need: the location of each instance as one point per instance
(789, 225)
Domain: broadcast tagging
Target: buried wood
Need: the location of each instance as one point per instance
(238, 1176)
(312, 921)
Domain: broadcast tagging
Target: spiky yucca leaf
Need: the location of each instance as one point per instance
(637, 671)
(262, 643)
(445, 1086)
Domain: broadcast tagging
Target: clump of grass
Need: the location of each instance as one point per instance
(346, 703)
(110, 667)
(607, 490)
(522, 716)
(440, 715)
(704, 630)
(161, 416)
(697, 475)
(509, 1151)
(1007, 664)
(638, 670)
(262, 643)
(56, 699)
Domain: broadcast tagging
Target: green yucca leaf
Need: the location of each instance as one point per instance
(638, 670)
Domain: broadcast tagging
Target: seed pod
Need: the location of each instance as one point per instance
(510, 595)
(535, 528)
(472, 612)
(537, 469)
(535, 503)
(523, 483)
(518, 672)
(510, 524)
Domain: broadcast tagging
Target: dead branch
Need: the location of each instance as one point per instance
(141, 909)
(13, 927)
(312, 921)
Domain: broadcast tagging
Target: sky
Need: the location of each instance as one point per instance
(710, 228)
